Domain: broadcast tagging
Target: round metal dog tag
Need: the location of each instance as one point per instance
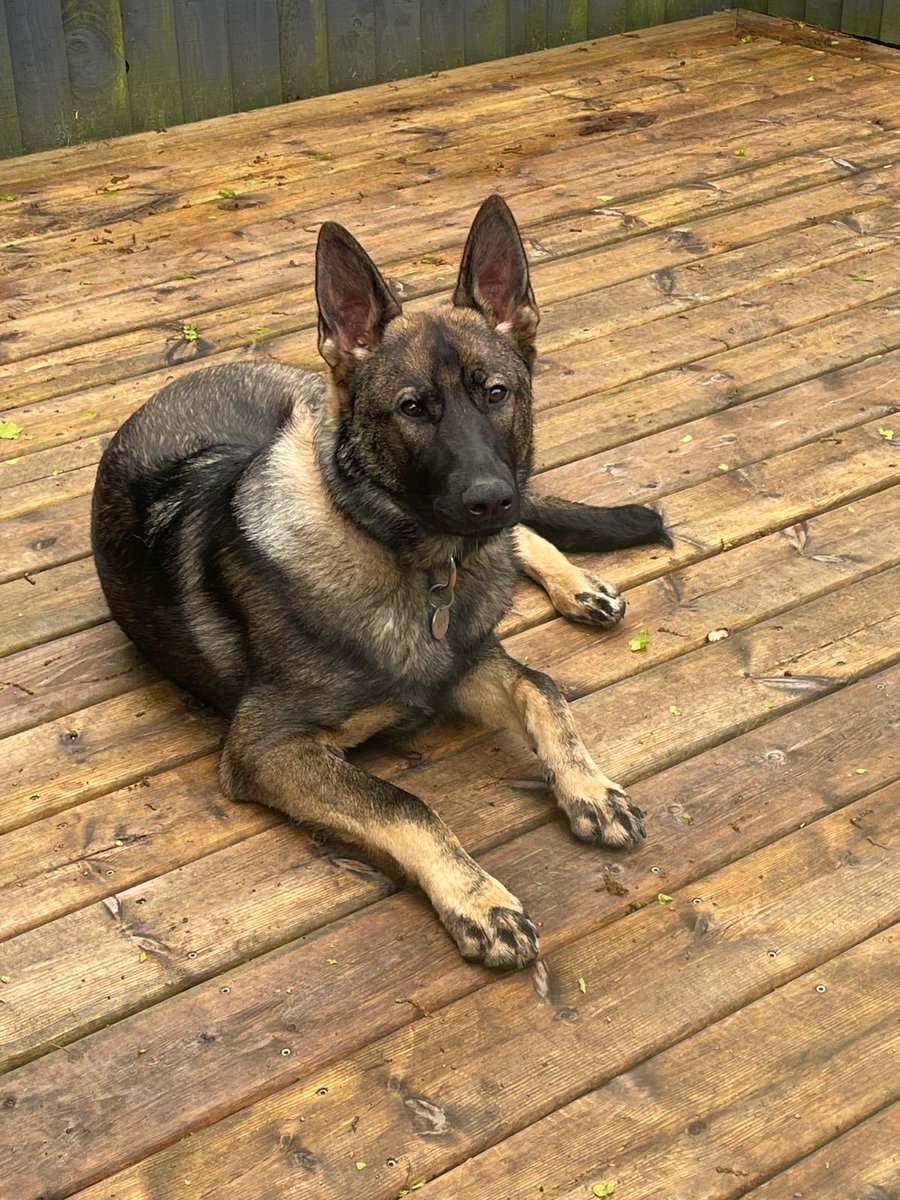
(440, 622)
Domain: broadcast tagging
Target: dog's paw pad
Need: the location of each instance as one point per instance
(501, 937)
(601, 605)
(611, 820)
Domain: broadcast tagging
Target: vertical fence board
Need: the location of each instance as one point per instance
(443, 34)
(567, 21)
(254, 52)
(788, 8)
(151, 55)
(10, 134)
(641, 14)
(606, 17)
(40, 72)
(824, 12)
(862, 17)
(526, 25)
(95, 50)
(398, 38)
(203, 58)
(303, 34)
(890, 22)
(485, 30)
(760, 6)
(682, 10)
(351, 43)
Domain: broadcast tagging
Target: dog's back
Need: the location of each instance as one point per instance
(162, 511)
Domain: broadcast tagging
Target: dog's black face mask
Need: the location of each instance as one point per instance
(434, 410)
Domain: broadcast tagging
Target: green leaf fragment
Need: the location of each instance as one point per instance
(109, 191)
(639, 641)
(185, 275)
(604, 1189)
(118, 842)
(360, 1166)
(663, 898)
(674, 710)
(227, 193)
(5, 979)
(582, 987)
(687, 438)
(87, 413)
(332, 962)
(887, 434)
(189, 332)
(142, 957)
(9, 429)
(11, 461)
(740, 152)
(7, 196)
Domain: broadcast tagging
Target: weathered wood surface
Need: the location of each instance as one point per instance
(721, 338)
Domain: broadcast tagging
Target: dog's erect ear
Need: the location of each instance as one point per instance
(493, 275)
(355, 302)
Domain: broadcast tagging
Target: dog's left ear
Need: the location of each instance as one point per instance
(355, 302)
(493, 276)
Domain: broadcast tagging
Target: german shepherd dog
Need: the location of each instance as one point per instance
(327, 558)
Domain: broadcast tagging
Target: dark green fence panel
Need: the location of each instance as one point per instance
(10, 134)
(77, 69)
(303, 32)
(204, 59)
(351, 43)
(606, 17)
(862, 17)
(151, 55)
(398, 38)
(254, 52)
(40, 71)
(95, 51)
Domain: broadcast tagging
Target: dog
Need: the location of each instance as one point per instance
(326, 558)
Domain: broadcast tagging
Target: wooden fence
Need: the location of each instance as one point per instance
(72, 70)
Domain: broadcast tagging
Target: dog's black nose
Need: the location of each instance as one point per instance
(490, 500)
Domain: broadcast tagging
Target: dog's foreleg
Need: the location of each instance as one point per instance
(574, 593)
(590, 527)
(304, 775)
(500, 690)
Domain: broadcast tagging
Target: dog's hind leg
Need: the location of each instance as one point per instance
(574, 593)
(499, 690)
(573, 526)
(302, 772)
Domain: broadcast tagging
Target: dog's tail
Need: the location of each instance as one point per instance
(573, 526)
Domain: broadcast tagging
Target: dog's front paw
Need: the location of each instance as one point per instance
(605, 816)
(496, 934)
(599, 603)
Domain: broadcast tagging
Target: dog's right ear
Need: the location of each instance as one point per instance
(355, 302)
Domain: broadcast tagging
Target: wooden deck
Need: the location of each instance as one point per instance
(197, 999)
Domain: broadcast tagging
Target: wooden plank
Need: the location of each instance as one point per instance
(526, 26)
(40, 72)
(151, 50)
(708, 963)
(443, 25)
(254, 52)
(351, 43)
(52, 866)
(303, 36)
(851, 632)
(726, 1111)
(799, 33)
(567, 21)
(167, 1034)
(826, 13)
(398, 42)
(95, 50)
(10, 134)
(33, 608)
(863, 1161)
(862, 17)
(485, 30)
(640, 14)
(204, 61)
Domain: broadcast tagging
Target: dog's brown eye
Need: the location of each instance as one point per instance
(497, 393)
(411, 408)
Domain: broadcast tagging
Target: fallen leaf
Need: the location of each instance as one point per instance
(724, 467)
(9, 429)
(7, 196)
(717, 635)
(360, 1166)
(227, 193)
(887, 434)
(663, 898)
(687, 438)
(674, 710)
(740, 153)
(604, 1189)
(639, 641)
(87, 413)
(142, 957)
(582, 986)
(189, 332)
(5, 979)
